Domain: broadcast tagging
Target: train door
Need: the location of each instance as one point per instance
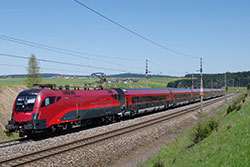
(78, 107)
(122, 98)
(126, 106)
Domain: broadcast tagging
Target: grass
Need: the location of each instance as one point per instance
(203, 130)
(234, 89)
(152, 82)
(58, 81)
(237, 102)
(4, 137)
(228, 146)
(12, 82)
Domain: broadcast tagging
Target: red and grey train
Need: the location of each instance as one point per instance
(38, 110)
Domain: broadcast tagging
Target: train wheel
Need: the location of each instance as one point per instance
(53, 129)
(103, 120)
(69, 127)
(65, 127)
(132, 114)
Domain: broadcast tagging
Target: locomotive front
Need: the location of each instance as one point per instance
(25, 114)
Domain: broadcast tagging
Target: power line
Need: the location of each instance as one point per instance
(63, 63)
(52, 69)
(133, 32)
(137, 34)
(160, 67)
(48, 47)
(209, 66)
(62, 51)
(51, 48)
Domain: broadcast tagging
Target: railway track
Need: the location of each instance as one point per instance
(9, 143)
(13, 142)
(38, 155)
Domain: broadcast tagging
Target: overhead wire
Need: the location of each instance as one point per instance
(133, 32)
(209, 66)
(137, 34)
(163, 67)
(76, 53)
(62, 63)
(35, 44)
(52, 69)
(62, 51)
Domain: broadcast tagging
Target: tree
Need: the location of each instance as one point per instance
(33, 72)
(248, 86)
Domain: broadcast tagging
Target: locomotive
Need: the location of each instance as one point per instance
(49, 109)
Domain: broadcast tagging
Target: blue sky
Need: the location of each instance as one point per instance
(217, 31)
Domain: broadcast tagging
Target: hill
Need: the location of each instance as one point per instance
(238, 79)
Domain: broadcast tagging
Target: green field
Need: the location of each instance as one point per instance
(152, 82)
(228, 146)
(235, 89)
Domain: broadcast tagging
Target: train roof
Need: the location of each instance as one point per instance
(144, 91)
(29, 92)
(140, 89)
(180, 90)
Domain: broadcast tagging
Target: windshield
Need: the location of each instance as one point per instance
(25, 103)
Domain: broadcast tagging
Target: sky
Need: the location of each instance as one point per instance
(217, 31)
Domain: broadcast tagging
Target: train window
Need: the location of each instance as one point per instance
(25, 103)
(177, 96)
(142, 99)
(117, 97)
(48, 101)
(134, 100)
(58, 98)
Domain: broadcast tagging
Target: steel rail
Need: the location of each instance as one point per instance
(9, 143)
(13, 142)
(34, 156)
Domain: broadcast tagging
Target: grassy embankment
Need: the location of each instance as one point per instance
(226, 141)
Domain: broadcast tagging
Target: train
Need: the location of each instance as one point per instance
(45, 108)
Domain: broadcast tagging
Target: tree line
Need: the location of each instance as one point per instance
(238, 79)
